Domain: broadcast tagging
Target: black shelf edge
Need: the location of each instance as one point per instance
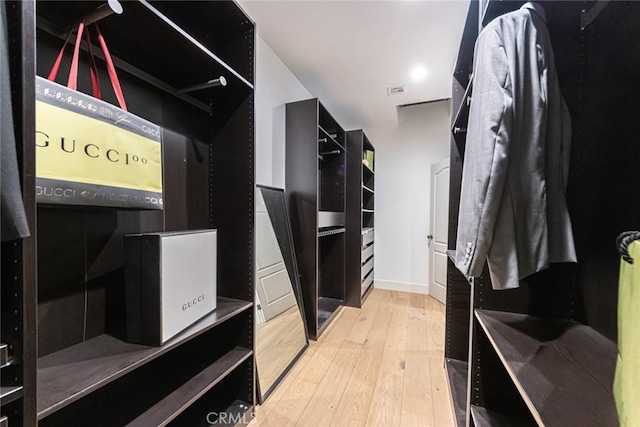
(330, 138)
(180, 399)
(485, 418)
(457, 371)
(10, 394)
(70, 374)
(367, 210)
(556, 365)
(364, 187)
(331, 232)
(367, 230)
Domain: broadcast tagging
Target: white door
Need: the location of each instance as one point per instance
(273, 286)
(439, 230)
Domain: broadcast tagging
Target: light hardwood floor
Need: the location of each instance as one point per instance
(379, 366)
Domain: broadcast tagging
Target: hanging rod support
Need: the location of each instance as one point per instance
(220, 81)
(107, 9)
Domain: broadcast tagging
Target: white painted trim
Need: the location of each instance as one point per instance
(415, 288)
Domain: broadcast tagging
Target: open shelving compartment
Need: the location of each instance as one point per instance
(76, 311)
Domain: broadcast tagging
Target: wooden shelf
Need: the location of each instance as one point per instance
(72, 373)
(564, 370)
(457, 374)
(173, 404)
(10, 394)
(485, 418)
(367, 210)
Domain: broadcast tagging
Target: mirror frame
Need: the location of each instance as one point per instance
(294, 275)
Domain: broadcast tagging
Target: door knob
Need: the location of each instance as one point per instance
(430, 236)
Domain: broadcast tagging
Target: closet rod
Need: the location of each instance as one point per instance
(107, 9)
(588, 16)
(220, 81)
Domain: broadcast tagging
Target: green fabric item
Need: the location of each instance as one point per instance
(626, 387)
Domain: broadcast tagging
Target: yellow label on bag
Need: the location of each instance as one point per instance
(74, 147)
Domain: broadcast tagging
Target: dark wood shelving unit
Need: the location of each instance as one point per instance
(315, 191)
(518, 371)
(556, 365)
(360, 217)
(67, 279)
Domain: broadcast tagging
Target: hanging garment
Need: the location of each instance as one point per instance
(626, 387)
(14, 221)
(513, 211)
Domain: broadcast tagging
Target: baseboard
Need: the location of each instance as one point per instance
(415, 288)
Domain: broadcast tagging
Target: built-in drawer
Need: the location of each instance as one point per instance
(367, 253)
(367, 237)
(367, 268)
(366, 283)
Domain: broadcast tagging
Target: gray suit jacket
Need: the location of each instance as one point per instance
(513, 211)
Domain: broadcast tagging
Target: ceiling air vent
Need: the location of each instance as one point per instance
(396, 90)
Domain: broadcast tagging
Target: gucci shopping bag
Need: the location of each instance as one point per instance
(89, 152)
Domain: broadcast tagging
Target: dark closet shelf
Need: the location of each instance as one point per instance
(173, 404)
(10, 394)
(72, 373)
(367, 210)
(364, 187)
(330, 140)
(564, 370)
(485, 418)
(457, 374)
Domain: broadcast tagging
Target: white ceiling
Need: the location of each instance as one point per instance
(347, 53)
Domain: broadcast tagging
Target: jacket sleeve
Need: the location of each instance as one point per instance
(486, 153)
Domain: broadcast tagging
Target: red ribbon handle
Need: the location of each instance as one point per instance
(72, 82)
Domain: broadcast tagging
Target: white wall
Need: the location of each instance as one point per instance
(275, 86)
(404, 155)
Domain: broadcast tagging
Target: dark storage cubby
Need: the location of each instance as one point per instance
(74, 313)
(544, 353)
(315, 190)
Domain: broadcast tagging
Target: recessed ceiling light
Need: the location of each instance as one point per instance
(418, 73)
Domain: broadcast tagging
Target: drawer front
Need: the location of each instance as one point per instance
(367, 237)
(367, 268)
(367, 282)
(367, 253)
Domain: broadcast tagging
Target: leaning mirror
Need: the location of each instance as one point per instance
(280, 333)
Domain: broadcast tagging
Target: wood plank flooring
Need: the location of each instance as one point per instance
(381, 365)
